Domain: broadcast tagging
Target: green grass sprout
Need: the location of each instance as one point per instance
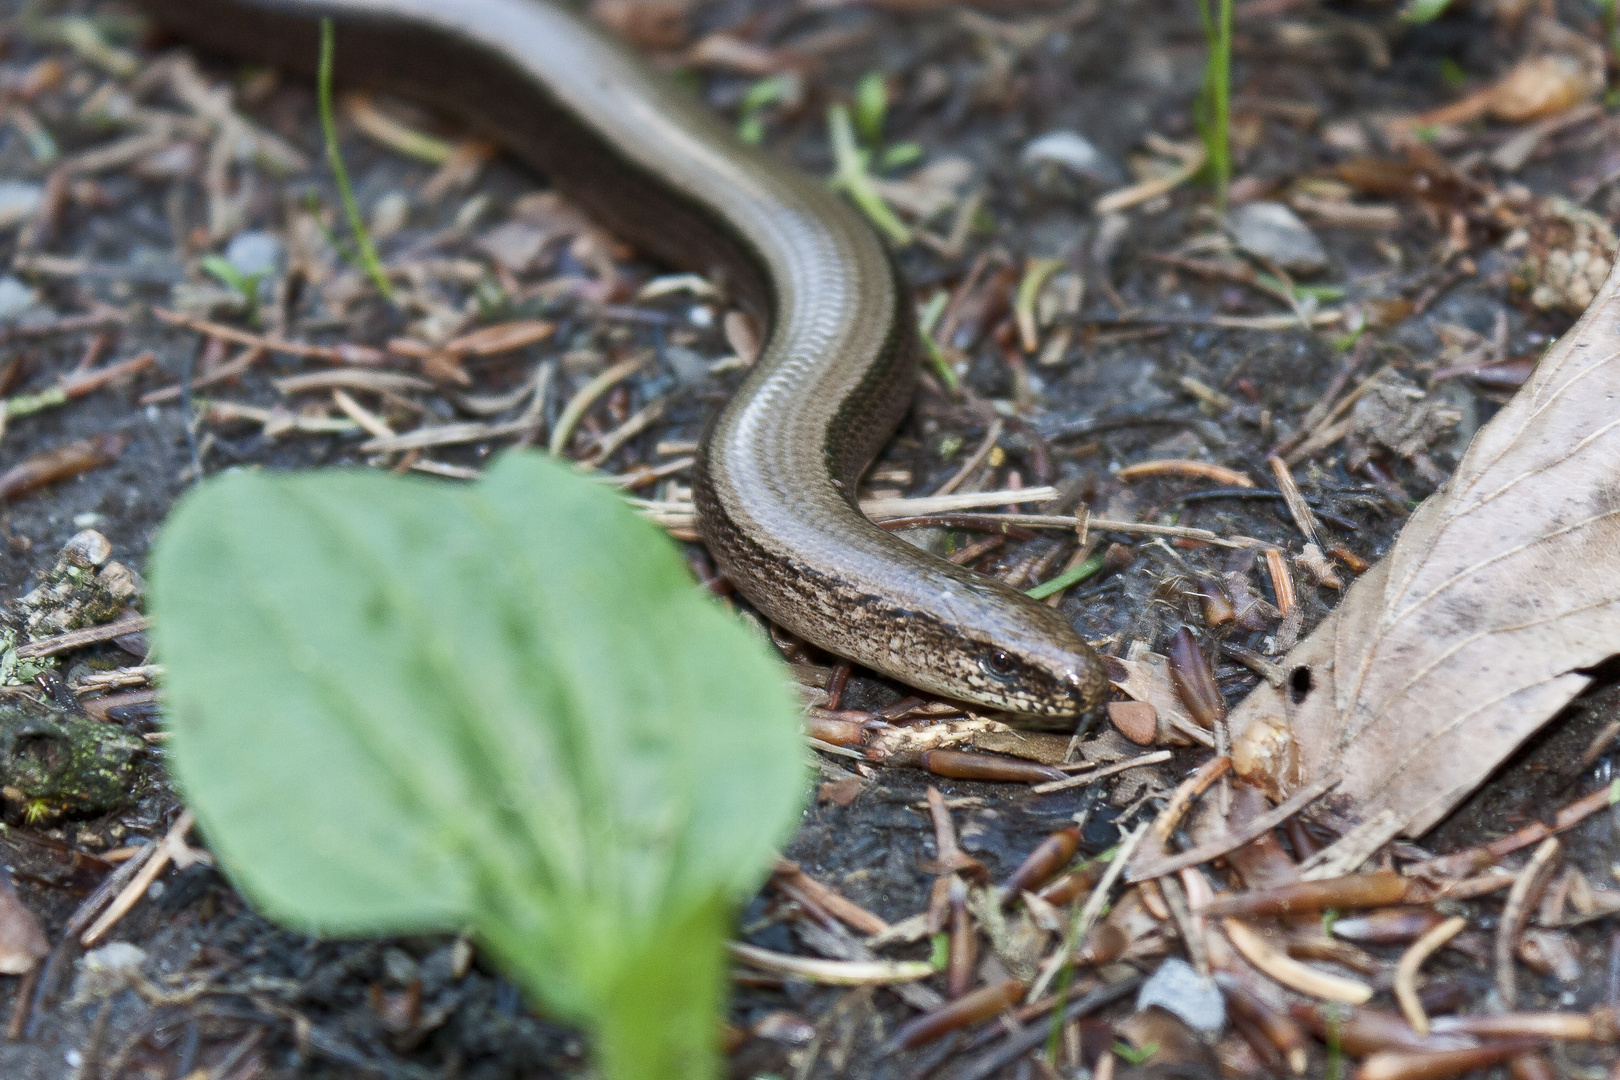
(900, 155)
(1423, 11)
(1335, 1052)
(244, 285)
(871, 107)
(851, 176)
(334, 157)
(1133, 1054)
(1214, 109)
(773, 90)
(926, 322)
(1063, 581)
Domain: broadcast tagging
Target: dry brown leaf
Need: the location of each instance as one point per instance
(22, 938)
(1533, 89)
(1503, 589)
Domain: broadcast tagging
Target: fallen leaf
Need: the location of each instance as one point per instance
(646, 24)
(1500, 594)
(22, 939)
(63, 463)
(1145, 676)
(503, 337)
(1533, 89)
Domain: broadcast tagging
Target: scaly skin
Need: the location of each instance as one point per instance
(777, 472)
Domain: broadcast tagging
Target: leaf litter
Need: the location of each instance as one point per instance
(1500, 596)
(1460, 205)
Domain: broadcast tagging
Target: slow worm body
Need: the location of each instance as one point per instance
(777, 471)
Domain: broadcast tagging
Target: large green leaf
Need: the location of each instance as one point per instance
(399, 705)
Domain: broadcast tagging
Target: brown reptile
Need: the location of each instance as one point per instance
(776, 474)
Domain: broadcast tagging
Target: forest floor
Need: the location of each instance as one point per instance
(1368, 302)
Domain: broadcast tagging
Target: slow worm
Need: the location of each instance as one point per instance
(777, 471)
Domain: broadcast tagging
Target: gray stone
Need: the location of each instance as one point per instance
(254, 254)
(1075, 153)
(15, 298)
(18, 201)
(1271, 231)
(1178, 988)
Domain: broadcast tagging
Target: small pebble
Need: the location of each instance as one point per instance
(390, 215)
(15, 298)
(1271, 231)
(254, 254)
(18, 201)
(1077, 154)
(1178, 988)
(1138, 721)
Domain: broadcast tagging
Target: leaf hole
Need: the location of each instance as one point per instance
(1299, 684)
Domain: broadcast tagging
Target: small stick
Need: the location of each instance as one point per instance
(1474, 859)
(982, 1004)
(1215, 848)
(1514, 915)
(1088, 914)
(244, 360)
(1202, 470)
(1188, 790)
(1599, 1025)
(1027, 1038)
(1411, 960)
(1297, 507)
(949, 855)
(1091, 777)
(335, 354)
(1434, 1064)
(172, 842)
(1176, 900)
(840, 906)
(74, 386)
(832, 972)
(70, 324)
(1290, 972)
(587, 395)
(991, 437)
(89, 635)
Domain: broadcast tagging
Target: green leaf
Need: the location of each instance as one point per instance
(1422, 11)
(1135, 1055)
(1073, 576)
(900, 155)
(871, 106)
(849, 173)
(399, 705)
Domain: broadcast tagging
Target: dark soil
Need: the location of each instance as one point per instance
(1124, 390)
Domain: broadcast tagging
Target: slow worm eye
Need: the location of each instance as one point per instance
(998, 664)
